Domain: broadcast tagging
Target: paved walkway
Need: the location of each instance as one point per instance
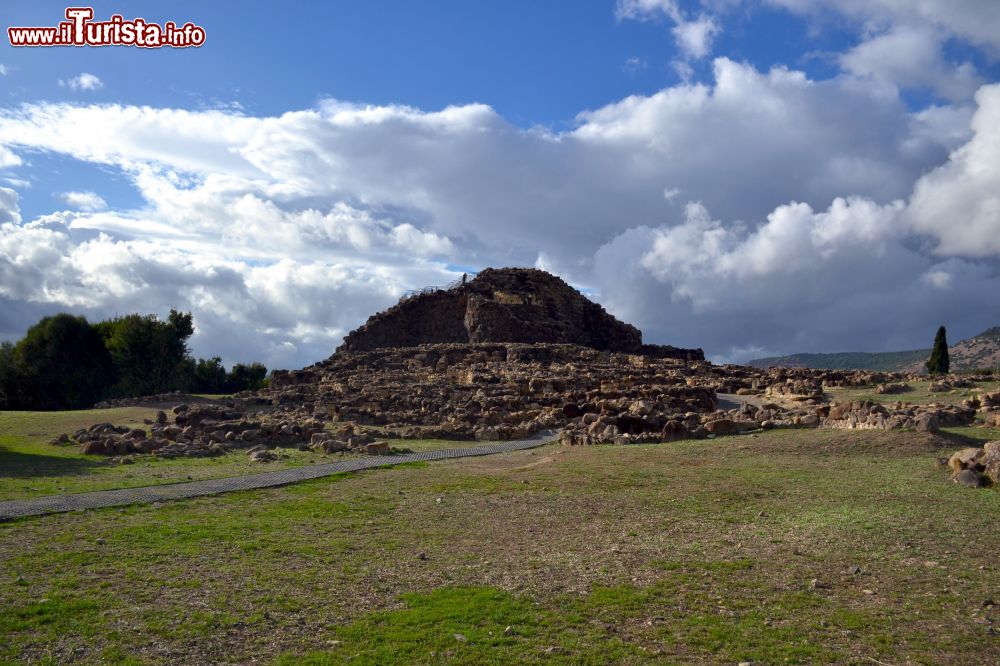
(38, 506)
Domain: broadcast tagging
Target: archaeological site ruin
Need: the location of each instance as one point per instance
(513, 352)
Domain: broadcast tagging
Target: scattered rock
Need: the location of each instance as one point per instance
(968, 477)
(927, 423)
(380, 448)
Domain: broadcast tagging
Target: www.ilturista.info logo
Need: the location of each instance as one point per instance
(81, 30)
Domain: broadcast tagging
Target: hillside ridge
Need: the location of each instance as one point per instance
(979, 351)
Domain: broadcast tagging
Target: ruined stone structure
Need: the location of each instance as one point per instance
(504, 305)
(514, 352)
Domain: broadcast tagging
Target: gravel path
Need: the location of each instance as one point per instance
(729, 401)
(147, 494)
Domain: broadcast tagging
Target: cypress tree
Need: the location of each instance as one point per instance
(938, 363)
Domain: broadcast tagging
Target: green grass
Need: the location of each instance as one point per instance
(918, 395)
(30, 466)
(696, 551)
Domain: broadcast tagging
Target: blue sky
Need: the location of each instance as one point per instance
(534, 62)
(653, 152)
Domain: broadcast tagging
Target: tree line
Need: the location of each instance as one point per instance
(65, 362)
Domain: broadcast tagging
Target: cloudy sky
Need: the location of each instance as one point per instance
(752, 177)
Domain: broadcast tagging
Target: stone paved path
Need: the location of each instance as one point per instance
(38, 506)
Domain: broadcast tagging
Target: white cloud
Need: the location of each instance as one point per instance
(695, 37)
(86, 201)
(9, 210)
(84, 81)
(977, 21)
(911, 57)
(8, 159)
(644, 10)
(959, 202)
(939, 279)
(281, 233)
(3, 69)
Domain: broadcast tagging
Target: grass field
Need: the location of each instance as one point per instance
(919, 394)
(698, 551)
(30, 466)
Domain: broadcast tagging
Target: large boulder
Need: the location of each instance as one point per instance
(927, 422)
(964, 459)
(990, 461)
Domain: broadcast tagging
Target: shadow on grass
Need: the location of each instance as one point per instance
(965, 439)
(18, 465)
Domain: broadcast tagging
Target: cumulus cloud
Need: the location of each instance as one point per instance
(848, 277)
(803, 227)
(959, 202)
(9, 209)
(902, 44)
(84, 81)
(3, 69)
(912, 57)
(86, 201)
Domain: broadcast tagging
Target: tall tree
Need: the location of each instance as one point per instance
(210, 376)
(939, 362)
(246, 377)
(62, 364)
(148, 354)
(12, 384)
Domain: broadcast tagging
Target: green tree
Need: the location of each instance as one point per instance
(939, 362)
(61, 363)
(12, 384)
(246, 377)
(149, 355)
(210, 376)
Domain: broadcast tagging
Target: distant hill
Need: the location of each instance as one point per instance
(980, 351)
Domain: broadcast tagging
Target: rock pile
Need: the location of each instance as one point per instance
(197, 430)
(950, 384)
(892, 388)
(492, 391)
(799, 389)
(977, 467)
(990, 401)
(869, 415)
(666, 425)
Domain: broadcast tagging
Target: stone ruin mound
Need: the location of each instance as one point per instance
(518, 305)
(516, 351)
